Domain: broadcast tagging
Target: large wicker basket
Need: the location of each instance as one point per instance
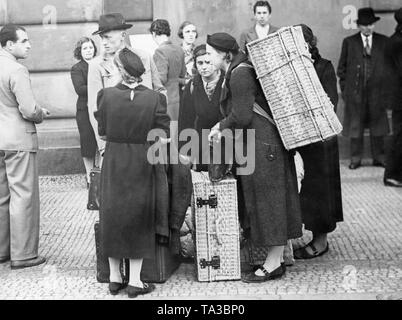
(301, 109)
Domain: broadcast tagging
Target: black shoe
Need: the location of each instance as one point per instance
(27, 263)
(4, 260)
(393, 183)
(303, 254)
(134, 292)
(354, 165)
(253, 278)
(377, 163)
(115, 288)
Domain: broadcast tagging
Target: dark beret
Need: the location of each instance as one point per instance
(131, 63)
(200, 51)
(398, 16)
(223, 42)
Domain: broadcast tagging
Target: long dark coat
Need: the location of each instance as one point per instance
(321, 194)
(272, 206)
(127, 210)
(350, 72)
(393, 54)
(79, 77)
(198, 112)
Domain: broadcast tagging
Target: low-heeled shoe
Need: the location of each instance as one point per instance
(251, 277)
(4, 260)
(134, 292)
(355, 165)
(115, 288)
(393, 183)
(27, 263)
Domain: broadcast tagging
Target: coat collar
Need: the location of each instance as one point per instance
(4, 53)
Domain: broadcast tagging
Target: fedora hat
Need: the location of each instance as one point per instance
(366, 17)
(112, 21)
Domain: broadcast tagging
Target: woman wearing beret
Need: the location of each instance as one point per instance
(321, 195)
(200, 105)
(126, 113)
(272, 208)
(85, 50)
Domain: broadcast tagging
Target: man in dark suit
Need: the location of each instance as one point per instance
(393, 170)
(262, 14)
(362, 77)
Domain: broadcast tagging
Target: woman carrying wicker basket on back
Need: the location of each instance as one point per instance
(272, 209)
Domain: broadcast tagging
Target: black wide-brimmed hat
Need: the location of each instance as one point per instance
(366, 17)
(112, 21)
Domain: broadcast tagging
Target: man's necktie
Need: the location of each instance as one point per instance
(367, 48)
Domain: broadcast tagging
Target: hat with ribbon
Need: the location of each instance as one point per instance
(366, 17)
(223, 42)
(112, 21)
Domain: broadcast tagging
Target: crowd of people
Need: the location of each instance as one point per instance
(124, 93)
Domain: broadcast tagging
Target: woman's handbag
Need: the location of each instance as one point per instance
(94, 190)
(94, 186)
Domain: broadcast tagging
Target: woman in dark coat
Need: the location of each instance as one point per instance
(321, 194)
(200, 105)
(126, 114)
(85, 51)
(272, 206)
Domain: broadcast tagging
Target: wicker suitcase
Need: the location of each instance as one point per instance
(217, 234)
(300, 107)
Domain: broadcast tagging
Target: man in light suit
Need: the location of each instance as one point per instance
(262, 28)
(19, 182)
(103, 73)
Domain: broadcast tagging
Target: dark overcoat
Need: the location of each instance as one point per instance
(128, 200)
(321, 193)
(79, 77)
(393, 54)
(272, 206)
(350, 73)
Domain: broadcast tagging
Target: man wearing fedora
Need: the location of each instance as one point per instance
(362, 76)
(393, 170)
(103, 73)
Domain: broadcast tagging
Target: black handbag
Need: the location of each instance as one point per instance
(94, 190)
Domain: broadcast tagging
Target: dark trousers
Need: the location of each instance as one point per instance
(393, 168)
(377, 148)
(376, 142)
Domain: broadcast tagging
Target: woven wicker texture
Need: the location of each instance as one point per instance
(217, 229)
(301, 108)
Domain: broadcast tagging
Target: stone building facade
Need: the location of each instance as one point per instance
(55, 26)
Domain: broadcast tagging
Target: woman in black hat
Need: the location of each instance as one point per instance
(321, 194)
(200, 105)
(126, 114)
(272, 208)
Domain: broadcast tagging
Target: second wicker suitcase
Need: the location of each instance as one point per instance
(217, 234)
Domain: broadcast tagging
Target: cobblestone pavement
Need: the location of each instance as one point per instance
(364, 261)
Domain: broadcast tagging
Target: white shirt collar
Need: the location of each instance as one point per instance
(370, 39)
(262, 32)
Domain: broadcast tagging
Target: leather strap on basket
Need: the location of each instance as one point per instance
(256, 107)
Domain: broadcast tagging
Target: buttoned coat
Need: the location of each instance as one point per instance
(350, 73)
